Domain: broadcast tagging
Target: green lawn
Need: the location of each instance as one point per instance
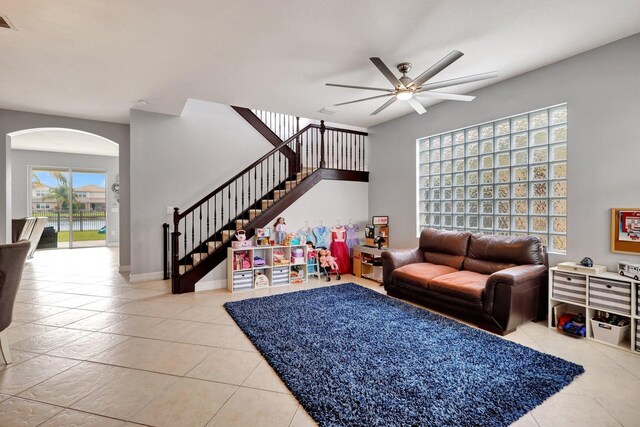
(80, 236)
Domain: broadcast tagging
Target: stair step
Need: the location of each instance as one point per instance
(254, 213)
(290, 184)
(277, 194)
(227, 234)
(213, 245)
(240, 223)
(198, 256)
(267, 203)
(184, 268)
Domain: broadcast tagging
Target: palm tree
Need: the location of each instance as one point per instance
(61, 193)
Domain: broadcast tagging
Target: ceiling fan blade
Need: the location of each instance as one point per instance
(416, 105)
(460, 80)
(449, 96)
(436, 68)
(363, 99)
(385, 105)
(387, 73)
(360, 87)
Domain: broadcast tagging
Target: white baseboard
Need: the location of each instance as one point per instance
(145, 277)
(124, 268)
(205, 285)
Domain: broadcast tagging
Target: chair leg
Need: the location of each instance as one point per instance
(4, 347)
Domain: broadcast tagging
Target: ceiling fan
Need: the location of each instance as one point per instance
(407, 89)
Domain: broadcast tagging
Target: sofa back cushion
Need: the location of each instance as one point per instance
(488, 254)
(444, 247)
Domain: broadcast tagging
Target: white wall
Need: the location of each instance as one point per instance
(601, 88)
(13, 121)
(331, 202)
(175, 161)
(20, 180)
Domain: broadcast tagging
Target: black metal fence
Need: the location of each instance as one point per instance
(79, 220)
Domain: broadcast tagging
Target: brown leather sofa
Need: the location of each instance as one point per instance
(496, 282)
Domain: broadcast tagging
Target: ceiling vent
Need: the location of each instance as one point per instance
(327, 110)
(5, 23)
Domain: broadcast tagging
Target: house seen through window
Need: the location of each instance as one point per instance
(506, 177)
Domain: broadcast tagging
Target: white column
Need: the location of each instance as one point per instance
(5, 191)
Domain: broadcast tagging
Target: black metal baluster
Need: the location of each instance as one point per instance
(229, 212)
(215, 221)
(235, 225)
(193, 234)
(185, 236)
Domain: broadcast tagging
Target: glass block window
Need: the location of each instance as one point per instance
(504, 177)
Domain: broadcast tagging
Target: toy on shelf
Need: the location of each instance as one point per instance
(241, 240)
(297, 274)
(278, 258)
(572, 324)
(327, 264)
(280, 228)
(262, 236)
(629, 269)
(241, 261)
(260, 280)
(291, 239)
(258, 262)
(377, 233)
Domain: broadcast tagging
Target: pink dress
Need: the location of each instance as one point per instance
(340, 250)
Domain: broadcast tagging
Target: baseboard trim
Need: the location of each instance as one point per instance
(124, 268)
(206, 285)
(145, 277)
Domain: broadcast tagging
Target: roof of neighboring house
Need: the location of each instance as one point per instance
(39, 186)
(90, 187)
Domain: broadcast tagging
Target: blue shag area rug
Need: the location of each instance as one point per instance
(354, 357)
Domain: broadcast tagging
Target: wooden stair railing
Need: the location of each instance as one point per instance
(252, 198)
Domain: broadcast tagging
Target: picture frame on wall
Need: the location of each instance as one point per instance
(625, 230)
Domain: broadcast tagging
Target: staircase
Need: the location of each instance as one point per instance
(258, 194)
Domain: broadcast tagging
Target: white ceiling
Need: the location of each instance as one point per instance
(63, 141)
(94, 59)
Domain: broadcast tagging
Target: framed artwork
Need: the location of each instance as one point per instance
(380, 220)
(625, 230)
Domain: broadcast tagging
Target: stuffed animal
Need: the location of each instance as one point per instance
(288, 238)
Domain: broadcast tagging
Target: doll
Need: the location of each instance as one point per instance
(328, 263)
(280, 228)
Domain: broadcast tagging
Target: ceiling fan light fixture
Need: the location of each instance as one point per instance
(404, 95)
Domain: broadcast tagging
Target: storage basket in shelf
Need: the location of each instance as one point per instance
(610, 295)
(569, 287)
(611, 334)
(242, 280)
(280, 276)
(638, 336)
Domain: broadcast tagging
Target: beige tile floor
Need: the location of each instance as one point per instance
(91, 349)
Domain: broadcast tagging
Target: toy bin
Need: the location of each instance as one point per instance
(638, 336)
(569, 287)
(610, 334)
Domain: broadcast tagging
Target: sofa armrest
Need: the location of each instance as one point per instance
(396, 258)
(515, 293)
(517, 275)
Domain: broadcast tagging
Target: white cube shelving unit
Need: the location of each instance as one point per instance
(243, 278)
(588, 293)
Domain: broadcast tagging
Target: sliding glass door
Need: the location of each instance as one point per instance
(74, 203)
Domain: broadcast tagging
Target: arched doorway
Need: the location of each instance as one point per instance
(67, 176)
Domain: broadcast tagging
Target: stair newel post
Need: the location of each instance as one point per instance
(322, 130)
(175, 256)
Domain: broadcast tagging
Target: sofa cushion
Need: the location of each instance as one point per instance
(488, 254)
(421, 273)
(444, 247)
(466, 285)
